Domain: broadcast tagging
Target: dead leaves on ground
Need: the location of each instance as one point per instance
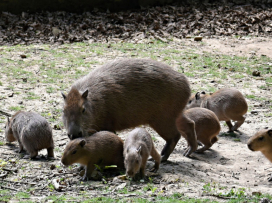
(159, 22)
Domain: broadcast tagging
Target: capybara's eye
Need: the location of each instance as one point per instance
(190, 101)
(83, 110)
(75, 151)
(261, 138)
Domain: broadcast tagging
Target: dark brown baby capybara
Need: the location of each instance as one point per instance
(32, 131)
(137, 148)
(207, 126)
(102, 148)
(127, 93)
(262, 141)
(227, 104)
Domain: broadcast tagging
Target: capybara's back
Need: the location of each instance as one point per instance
(207, 126)
(127, 93)
(32, 131)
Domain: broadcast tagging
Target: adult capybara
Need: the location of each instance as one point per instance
(207, 126)
(227, 104)
(102, 148)
(32, 131)
(137, 148)
(262, 141)
(127, 93)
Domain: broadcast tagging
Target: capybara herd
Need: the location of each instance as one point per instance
(127, 93)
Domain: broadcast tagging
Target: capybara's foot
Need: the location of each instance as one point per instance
(188, 152)
(270, 179)
(153, 169)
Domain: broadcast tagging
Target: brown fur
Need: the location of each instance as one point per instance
(102, 148)
(137, 148)
(262, 141)
(207, 126)
(227, 104)
(127, 93)
(32, 131)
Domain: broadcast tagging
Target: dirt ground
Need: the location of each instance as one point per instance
(228, 164)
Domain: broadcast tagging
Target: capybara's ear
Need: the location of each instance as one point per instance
(82, 143)
(139, 149)
(197, 96)
(63, 95)
(8, 120)
(269, 132)
(85, 94)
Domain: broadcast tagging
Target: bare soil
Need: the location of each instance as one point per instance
(228, 164)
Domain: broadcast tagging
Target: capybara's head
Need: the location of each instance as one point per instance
(8, 131)
(195, 100)
(261, 141)
(76, 114)
(74, 152)
(133, 161)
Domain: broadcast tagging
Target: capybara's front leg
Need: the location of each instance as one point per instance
(88, 172)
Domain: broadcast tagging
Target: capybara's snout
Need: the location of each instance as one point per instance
(74, 132)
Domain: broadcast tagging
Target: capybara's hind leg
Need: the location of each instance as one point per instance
(206, 146)
(169, 133)
(50, 152)
(187, 128)
(169, 147)
(32, 154)
(229, 125)
(157, 158)
(238, 123)
(214, 140)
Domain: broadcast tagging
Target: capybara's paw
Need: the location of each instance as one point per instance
(270, 179)
(153, 169)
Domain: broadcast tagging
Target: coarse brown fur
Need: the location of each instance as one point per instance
(102, 148)
(207, 126)
(137, 148)
(227, 104)
(262, 141)
(127, 93)
(32, 131)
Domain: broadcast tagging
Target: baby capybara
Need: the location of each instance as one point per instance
(32, 131)
(262, 141)
(102, 148)
(207, 126)
(227, 104)
(137, 148)
(127, 93)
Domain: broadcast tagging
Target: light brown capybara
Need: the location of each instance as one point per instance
(227, 104)
(102, 148)
(127, 93)
(32, 131)
(137, 148)
(262, 141)
(207, 126)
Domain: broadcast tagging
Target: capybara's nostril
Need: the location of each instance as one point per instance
(70, 136)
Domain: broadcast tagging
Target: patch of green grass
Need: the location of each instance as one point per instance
(50, 90)
(21, 195)
(1, 143)
(5, 195)
(16, 108)
(31, 96)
